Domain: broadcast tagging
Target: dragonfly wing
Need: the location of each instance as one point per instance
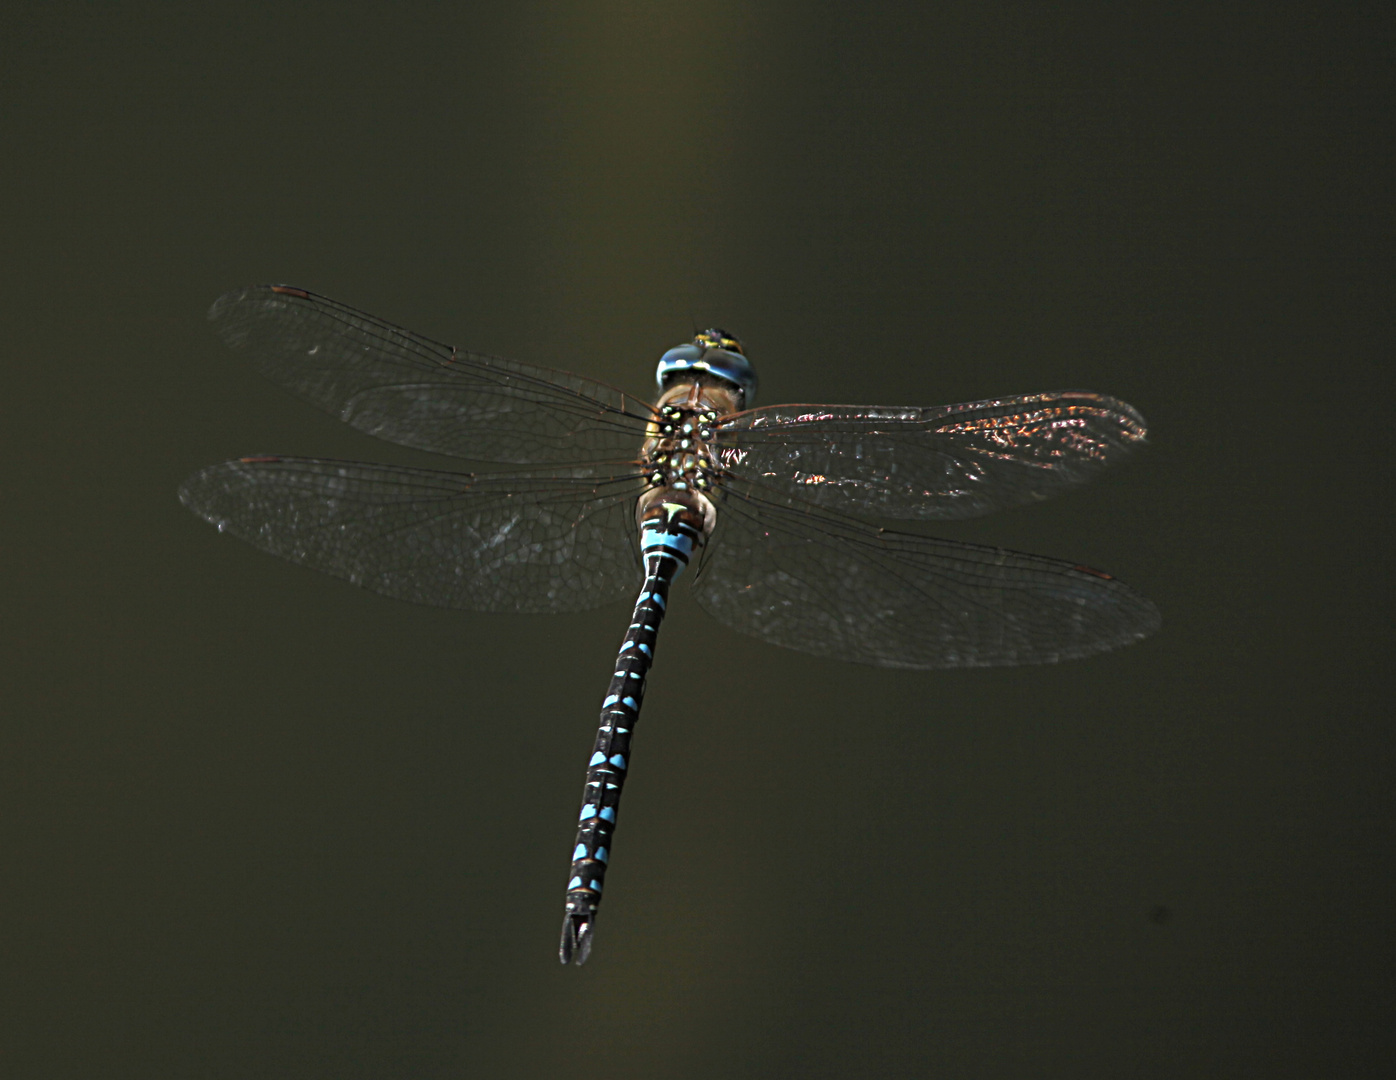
(492, 542)
(794, 575)
(951, 461)
(411, 390)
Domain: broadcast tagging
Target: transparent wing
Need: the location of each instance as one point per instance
(794, 575)
(411, 390)
(950, 461)
(494, 542)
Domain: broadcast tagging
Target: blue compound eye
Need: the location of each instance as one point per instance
(680, 359)
(684, 358)
(724, 363)
(735, 368)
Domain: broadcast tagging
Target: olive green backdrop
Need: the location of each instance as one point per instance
(257, 823)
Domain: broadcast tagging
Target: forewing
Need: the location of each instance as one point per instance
(411, 390)
(950, 461)
(493, 542)
(821, 583)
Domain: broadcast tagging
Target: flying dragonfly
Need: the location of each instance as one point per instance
(612, 497)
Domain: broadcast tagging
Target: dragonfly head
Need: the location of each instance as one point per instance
(712, 352)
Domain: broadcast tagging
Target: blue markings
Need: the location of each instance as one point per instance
(655, 544)
(653, 540)
(666, 551)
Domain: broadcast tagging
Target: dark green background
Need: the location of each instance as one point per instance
(257, 823)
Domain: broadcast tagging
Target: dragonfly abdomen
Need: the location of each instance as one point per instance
(669, 534)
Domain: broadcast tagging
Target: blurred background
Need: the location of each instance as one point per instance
(257, 822)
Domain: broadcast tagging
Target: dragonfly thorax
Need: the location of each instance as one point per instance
(678, 459)
(678, 454)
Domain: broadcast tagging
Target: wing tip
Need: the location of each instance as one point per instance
(231, 300)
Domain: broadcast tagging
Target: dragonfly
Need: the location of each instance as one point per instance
(593, 496)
